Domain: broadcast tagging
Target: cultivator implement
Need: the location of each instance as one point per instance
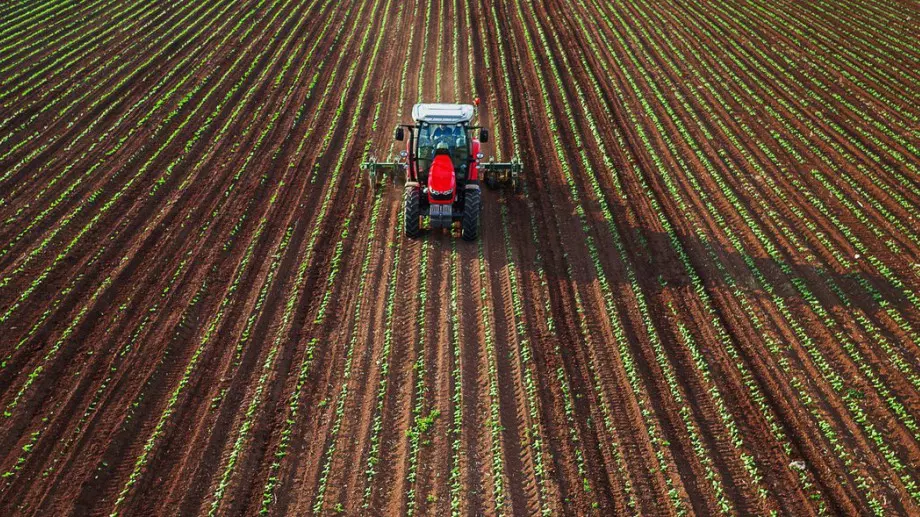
(378, 171)
(495, 174)
(499, 174)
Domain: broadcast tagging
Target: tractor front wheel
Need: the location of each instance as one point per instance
(412, 212)
(472, 206)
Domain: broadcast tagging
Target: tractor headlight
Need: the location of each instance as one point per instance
(440, 192)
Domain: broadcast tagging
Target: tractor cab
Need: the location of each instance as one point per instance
(442, 130)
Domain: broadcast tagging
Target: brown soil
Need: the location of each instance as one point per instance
(195, 289)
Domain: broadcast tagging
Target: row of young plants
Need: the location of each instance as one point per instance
(843, 258)
(743, 213)
(845, 135)
(454, 403)
(40, 178)
(329, 453)
(651, 330)
(561, 377)
(30, 45)
(15, 24)
(458, 454)
(211, 329)
(88, 173)
(496, 446)
(837, 255)
(101, 91)
(857, 61)
(65, 292)
(142, 170)
(748, 460)
(439, 55)
(710, 390)
(255, 238)
(534, 434)
(310, 247)
(374, 442)
(30, 77)
(458, 93)
(420, 420)
(283, 329)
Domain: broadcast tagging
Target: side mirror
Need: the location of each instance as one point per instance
(483, 135)
(399, 134)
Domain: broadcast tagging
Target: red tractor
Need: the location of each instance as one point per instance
(443, 166)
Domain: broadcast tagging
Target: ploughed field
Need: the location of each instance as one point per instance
(706, 300)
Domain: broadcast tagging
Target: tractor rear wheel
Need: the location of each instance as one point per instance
(412, 212)
(472, 206)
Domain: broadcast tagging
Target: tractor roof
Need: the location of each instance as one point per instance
(442, 113)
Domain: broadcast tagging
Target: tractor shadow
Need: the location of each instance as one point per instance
(658, 264)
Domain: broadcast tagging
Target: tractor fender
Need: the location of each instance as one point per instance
(413, 184)
(471, 186)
